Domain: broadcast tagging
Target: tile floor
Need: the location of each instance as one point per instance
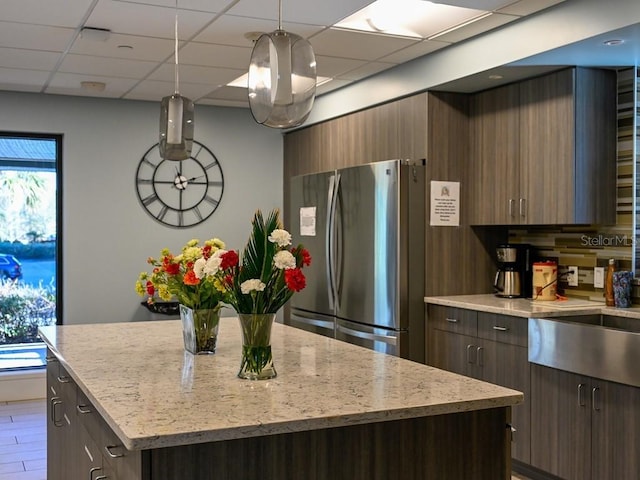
(23, 441)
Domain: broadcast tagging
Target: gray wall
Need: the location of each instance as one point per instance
(107, 236)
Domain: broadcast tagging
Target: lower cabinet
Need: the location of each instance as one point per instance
(489, 347)
(585, 428)
(80, 445)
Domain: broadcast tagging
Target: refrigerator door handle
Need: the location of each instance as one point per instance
(332, 202)
(389, 339)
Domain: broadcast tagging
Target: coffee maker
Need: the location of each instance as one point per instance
(514, 275)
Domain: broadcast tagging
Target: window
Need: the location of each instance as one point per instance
(29, 245)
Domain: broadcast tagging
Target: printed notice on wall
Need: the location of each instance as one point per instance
(308, 221)
(445, 204)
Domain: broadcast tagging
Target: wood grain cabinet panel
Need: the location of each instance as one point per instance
(464, 342)
(544, 150)
(585, 428)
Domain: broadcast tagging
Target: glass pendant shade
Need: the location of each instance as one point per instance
(282, 79)
(176, 127)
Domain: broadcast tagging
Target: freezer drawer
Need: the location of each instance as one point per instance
(374, 338)
(312, 322)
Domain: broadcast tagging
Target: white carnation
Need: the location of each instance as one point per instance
(284, 260)
(281, 237)
(251, 285)
(213, 265)
(199, 268)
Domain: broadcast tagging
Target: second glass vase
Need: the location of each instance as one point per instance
(257, 360)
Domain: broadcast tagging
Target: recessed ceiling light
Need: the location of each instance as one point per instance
(613, 42)
(496, 77)
(125, 47)
(93, 86)
(95, 34)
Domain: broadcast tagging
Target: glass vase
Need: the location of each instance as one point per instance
(257, 361)
(200, 329)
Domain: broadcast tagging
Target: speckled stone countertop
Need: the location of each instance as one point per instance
(521, 307)
(153, 394)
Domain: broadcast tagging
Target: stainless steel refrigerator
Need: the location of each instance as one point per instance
(365, 229)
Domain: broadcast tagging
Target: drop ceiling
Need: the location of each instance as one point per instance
(42, 48)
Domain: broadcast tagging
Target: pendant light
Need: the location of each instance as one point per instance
(282, 78)
(176, 118)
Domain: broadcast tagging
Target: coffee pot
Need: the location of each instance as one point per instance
(512, 277)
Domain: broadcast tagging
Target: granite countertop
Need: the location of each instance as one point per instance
(153, 394)
(521, 307)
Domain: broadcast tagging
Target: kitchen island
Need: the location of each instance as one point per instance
(130, 399)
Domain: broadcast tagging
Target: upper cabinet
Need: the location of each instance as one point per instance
(543, 151)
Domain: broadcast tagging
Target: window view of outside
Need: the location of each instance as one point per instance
(27, 248)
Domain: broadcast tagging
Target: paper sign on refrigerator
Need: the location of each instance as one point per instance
(445, 204)
(308, 221)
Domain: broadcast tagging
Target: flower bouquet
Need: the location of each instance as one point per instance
(194, 278)
(267, 274)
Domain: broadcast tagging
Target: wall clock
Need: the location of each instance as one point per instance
(180, 193)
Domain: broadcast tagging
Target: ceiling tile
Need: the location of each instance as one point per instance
(201, 5)
(70, 84)
(116, 46)
(211, 76)
(527, 7)
(229, 93)
(230, 30)
(155, 90)
(209, 55)
(59, 13)
(108, 67)
(29, 59)
(332, 85)
(124, 17)
(334, 66)
(35, 37)
(483, 25)
(30, 80)
(357, 45)
(414, 51)
(326, 12)
(366, 71)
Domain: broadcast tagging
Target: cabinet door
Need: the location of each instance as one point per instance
(452, 352)
(494, 172)
(561, 430)
(508, 366)
(616, 431)
(547, 148)
(55, 422)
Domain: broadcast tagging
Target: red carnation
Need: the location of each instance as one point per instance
(229, 259)
(150, 288)
(295, 280)
(170, 267)
(306, 257)
(190, 278)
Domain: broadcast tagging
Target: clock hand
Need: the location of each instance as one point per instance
(195, 178)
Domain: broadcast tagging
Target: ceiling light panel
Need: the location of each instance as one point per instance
(357, 45)
(410, 18)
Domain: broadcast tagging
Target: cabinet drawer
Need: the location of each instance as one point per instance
(126, 463)
(503, 328)
(452, 319)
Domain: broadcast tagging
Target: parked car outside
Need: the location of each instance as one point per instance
(10, 267)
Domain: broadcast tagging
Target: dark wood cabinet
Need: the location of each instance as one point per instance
(489, 347)
(585, 428)
(544, 150)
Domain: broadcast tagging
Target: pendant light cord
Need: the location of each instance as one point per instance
(176, 50)
(279, 14)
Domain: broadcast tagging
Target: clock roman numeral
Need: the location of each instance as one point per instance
(180, 218)
(162, 213)
(145, 181)
(214, 183)
(211, 200)
(149, 162)
(196, 210)
(211, 165)
(150, 199)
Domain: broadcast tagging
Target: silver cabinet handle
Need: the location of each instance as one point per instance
(480, 356)
(500, 329)
(594, 399)
(108, 448)
(63, 379)
(94, 470)
(83, 409)
(512, 431)
(55, 401)
(452, 320)
(470, 348)
(523, 207)
(511, 212)
(581, 402)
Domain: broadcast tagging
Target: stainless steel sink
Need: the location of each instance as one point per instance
(598, 347)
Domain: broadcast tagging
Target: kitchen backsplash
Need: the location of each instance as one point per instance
(588, 246)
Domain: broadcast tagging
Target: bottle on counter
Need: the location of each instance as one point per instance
(608, 284)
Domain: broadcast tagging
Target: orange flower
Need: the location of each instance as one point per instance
(190, 278)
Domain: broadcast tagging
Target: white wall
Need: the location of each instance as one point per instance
(107, 236)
